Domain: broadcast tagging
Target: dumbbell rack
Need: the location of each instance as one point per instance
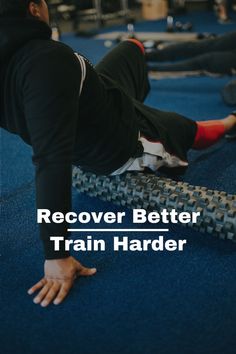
(97, 14)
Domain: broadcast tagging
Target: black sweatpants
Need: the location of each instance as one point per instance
(125, 67)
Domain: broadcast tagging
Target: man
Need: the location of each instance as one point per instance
(71, 113)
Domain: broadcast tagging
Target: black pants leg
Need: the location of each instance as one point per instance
(126, 65)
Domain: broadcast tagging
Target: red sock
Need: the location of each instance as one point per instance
(138, 43)
(208, 133)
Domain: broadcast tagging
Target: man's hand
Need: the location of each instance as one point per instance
(58, 280)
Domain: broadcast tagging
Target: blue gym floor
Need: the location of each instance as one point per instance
(138, 303)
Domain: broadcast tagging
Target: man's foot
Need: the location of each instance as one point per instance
(231, 134)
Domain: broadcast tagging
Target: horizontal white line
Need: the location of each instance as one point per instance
(118, 230)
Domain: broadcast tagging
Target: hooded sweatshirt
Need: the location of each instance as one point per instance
(57, 103)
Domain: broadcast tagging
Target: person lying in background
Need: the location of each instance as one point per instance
(211, 55)
(215, 55)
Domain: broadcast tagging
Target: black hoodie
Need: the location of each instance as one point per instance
(41, 102)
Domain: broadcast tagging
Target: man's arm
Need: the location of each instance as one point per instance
(51, 99)
(59, 276)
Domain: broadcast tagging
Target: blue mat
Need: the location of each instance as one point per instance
(138, 303)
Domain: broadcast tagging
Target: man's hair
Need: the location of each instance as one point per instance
(15, 7)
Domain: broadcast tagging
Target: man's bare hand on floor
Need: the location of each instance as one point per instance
(59, 277)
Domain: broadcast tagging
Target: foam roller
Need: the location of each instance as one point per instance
(153, 193)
